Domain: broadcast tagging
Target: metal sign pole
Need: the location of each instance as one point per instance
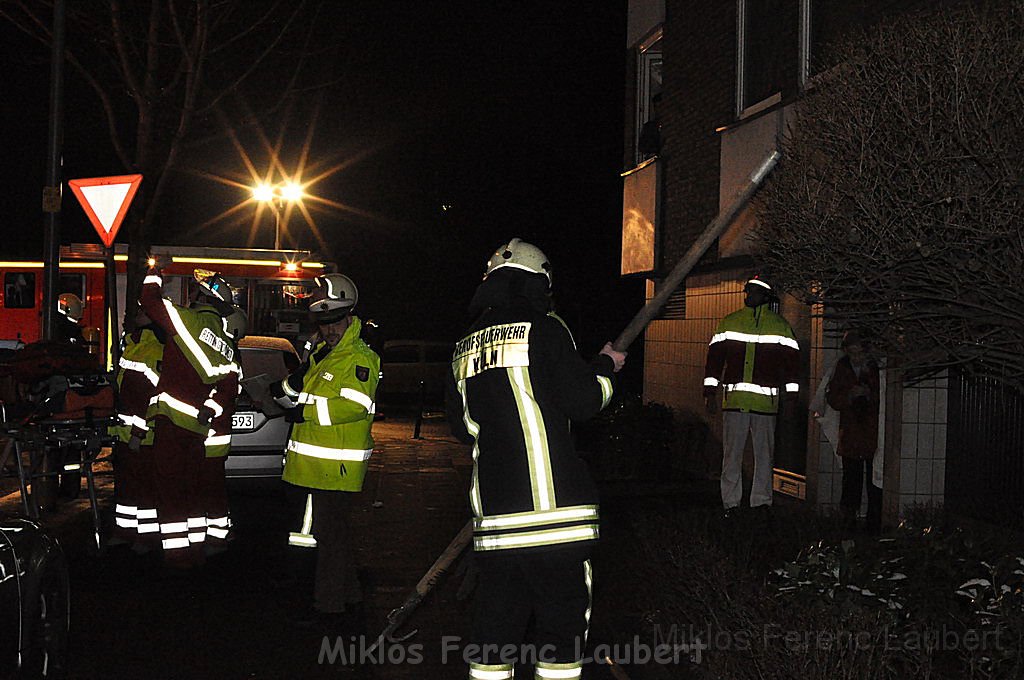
(114, 335)
(51, 191)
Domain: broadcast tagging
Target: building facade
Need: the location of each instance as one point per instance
(711, 89)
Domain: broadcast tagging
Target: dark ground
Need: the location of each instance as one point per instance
(234, 619)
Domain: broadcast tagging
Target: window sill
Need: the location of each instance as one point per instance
(760, 106)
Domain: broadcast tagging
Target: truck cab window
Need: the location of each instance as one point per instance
(19, 290)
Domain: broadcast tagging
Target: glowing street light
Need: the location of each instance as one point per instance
(276, 196)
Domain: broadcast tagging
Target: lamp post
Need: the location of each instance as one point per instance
(276, 196)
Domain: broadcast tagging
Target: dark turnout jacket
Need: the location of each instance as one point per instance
(516, 383)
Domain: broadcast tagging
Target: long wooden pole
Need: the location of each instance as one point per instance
(693, 255)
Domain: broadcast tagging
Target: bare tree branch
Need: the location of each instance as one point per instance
(899, 205)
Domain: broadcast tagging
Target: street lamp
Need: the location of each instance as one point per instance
(276, 196)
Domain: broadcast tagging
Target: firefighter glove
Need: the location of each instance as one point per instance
(294, 415)
(205, 415)
(280, 398)
(134, 443)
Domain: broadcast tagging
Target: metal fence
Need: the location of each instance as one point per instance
(985, 451)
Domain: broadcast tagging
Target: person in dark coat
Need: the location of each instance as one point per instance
(853, 392)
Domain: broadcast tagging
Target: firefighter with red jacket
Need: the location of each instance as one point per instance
(516, 383)
(138, 373)
(754, 357)
(194, 401)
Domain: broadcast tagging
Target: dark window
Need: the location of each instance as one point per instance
(20, 290)
(72, 283)
(439, 355)
(769, 48)
(401, 354)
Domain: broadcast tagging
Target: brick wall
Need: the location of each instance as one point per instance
(700, 54)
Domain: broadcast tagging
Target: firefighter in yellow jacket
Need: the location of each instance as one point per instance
(138, 372)
(330, 398)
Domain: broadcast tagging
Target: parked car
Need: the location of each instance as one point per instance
(405, 364)
(259, 431)
(34, 602)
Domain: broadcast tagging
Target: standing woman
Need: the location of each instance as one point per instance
(853, 392)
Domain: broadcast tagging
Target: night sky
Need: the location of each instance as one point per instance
(510, 113)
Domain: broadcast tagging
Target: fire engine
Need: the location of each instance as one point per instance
(270, 285)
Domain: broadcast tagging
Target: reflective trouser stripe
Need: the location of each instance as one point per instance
(194, 524)
(189, 527)
(126, 516)
(558, 671)
(151, 526)
(301, 540)
(588, 578)
(218, 527)
(304, 537)
(479, 671)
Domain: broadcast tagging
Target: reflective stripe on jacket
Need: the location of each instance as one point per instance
(330, 448)
(516, 383)
(199, 365)
(754, 356)
(138, 373)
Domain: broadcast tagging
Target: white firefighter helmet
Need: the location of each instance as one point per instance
(520, 255)
(236, 323)
(335, 296)
(756, 280)
(212, 285)
(71, 306)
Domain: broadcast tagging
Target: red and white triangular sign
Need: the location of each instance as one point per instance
(105, 201)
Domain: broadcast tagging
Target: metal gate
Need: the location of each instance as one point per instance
(985, 451)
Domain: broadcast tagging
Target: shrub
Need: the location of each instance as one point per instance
(926, 602)
(629, 440)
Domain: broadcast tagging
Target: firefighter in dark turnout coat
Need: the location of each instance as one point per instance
(516, 383)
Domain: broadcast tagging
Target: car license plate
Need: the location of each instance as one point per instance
(243, 421)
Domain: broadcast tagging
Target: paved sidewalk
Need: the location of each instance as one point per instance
(235, 619)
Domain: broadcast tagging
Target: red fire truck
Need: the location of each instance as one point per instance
(269, 284)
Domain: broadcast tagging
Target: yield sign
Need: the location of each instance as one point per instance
(105, 201)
